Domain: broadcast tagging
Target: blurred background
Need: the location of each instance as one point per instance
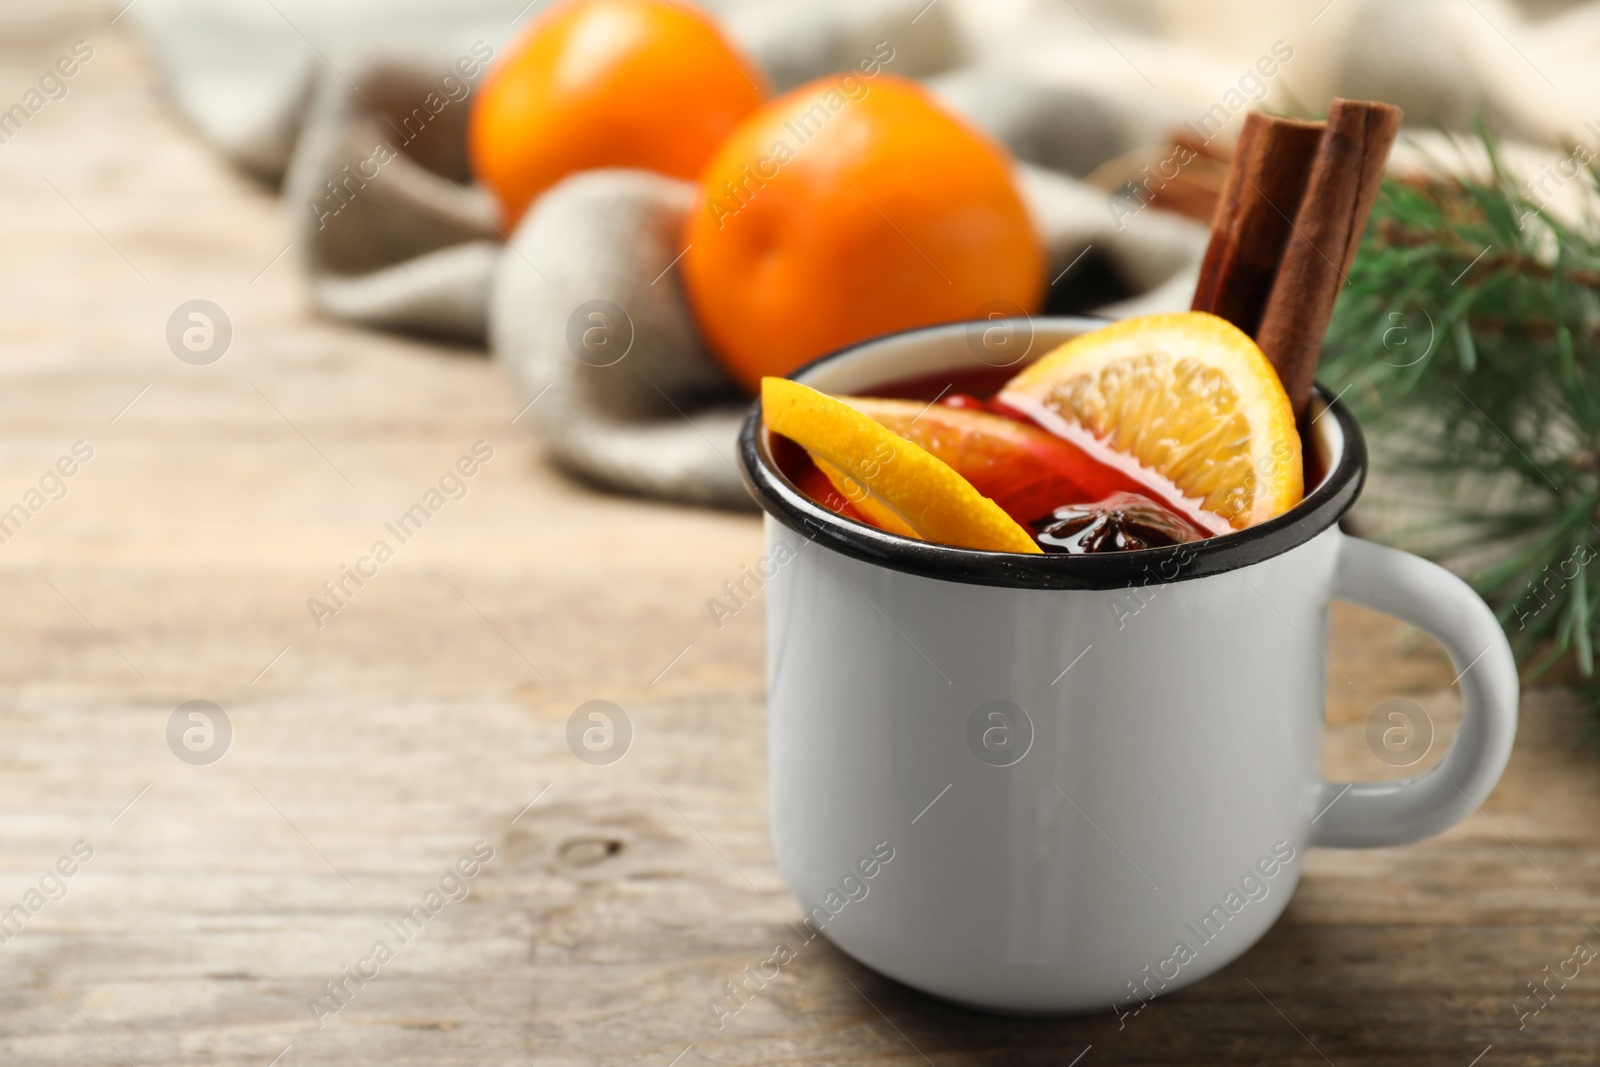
(275, 295)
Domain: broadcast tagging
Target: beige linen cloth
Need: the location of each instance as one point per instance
(360, 110)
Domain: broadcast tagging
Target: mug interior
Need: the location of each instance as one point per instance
(1330, 433)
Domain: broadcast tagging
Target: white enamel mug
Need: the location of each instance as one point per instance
(1094, 777)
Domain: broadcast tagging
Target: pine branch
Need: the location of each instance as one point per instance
(1467, 341)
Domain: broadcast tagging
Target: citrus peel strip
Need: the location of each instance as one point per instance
(880, 471)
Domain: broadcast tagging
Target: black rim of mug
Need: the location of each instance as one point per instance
(1320, 509)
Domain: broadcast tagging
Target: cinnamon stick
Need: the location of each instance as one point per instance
(1321, 245)
(1253, 219)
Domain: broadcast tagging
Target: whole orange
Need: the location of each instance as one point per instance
(850, 207)
(651, 84)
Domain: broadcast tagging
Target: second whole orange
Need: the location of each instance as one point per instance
(850, 207)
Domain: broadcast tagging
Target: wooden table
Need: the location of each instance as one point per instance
(430, 713)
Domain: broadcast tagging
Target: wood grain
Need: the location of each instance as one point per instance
(428, 713)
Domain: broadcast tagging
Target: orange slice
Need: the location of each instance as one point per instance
(1188, 396)
(894, 482)
(1025, 470)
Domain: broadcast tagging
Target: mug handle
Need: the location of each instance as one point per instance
(1370, 814)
